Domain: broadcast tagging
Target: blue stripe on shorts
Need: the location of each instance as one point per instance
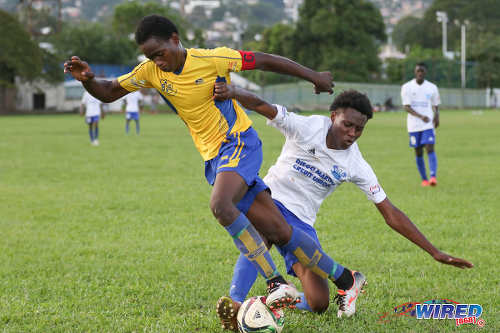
(241, 152)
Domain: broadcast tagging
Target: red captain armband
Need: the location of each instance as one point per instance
(247, 60)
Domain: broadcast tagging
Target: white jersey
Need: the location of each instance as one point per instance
(133, 99)
(421, 98)
(307, 171)
(92, 105)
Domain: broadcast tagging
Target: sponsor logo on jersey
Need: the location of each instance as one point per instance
(311, 171)
(338, 173)
(419, 104)
(374, 189)
(232, 65)
(168, 87)
(312, 151)
(199, 81)
(138, 83)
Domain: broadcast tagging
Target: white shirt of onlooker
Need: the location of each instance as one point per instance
(132, 100)
(421, 98)
(307, 171)
(92, 105)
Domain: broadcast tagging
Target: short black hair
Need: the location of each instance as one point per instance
(421, 64)
(355, 100)
(154, 26)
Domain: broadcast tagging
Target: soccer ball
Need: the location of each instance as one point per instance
(254, 316)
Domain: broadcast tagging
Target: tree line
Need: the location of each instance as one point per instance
(343, 36)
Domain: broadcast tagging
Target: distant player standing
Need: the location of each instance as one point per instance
(132, 103)
(92, 108)
(222, 133)
(421, 99)
(319, 155)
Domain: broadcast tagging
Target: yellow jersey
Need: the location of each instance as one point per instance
(189, 92)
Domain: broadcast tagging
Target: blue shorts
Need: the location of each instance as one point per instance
(296, 223)
(93, 119)
(242, 153)
(132, 115)
(418, 139)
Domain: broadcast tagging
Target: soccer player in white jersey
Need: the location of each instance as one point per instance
(320, 153)
(132, 104)
(92, 107)
(421, 99)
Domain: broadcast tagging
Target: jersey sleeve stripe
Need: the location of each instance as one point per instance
(194, 56)
(133, 72)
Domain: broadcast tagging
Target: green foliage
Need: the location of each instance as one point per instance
(95, 10)
(250, 33)
(52, 69)
(264, 13)
(482, 43)
(95, 43)
(128, 14)
(19, 55)
(441, 71)
(277, 39)
(486, 51)
(407, 31)
(337, 35)
(342, 36)
(119, 238)
(482, 15)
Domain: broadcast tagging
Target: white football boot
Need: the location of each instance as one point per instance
(346, 299)
(281, 295)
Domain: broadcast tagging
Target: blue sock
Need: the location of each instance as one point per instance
(433, 164)
(91, 134)
(303, 305)
(126, 127)
(137, 127)
(96, 133)
(250, 244)
(310, 254)
(244, 276)
(421, 167)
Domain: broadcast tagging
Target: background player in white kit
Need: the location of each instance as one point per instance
(421, 99)
(92, 108)
(320, 153)
(132, 104)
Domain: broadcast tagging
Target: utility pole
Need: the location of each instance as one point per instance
(462, 58)
(59, 16)
(443, 18)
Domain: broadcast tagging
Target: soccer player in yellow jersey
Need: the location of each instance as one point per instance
(223, 135)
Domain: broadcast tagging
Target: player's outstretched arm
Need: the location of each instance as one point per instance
(398, 221)
(248, 100)
(104, 90)
(323, 81)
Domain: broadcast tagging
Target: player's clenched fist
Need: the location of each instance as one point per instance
(323, 82)
(222, 91)
(79, 69)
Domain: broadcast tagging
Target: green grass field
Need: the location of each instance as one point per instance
(119, 238)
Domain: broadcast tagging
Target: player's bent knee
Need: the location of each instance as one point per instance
(319, 305)
(223, 210)
(279, 234)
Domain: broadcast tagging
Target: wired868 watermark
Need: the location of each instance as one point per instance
(438, 309)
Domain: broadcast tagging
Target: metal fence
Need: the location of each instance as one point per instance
(302, 95)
